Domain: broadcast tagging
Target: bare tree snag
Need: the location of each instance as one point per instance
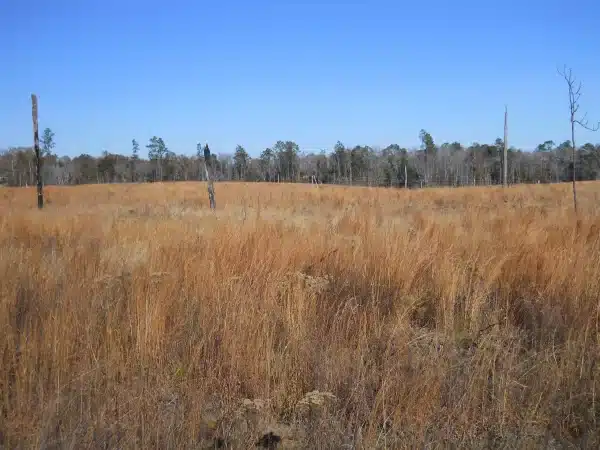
(505, 156)
(574, 95)
(405, 177)
(36, 147)
(209, 178)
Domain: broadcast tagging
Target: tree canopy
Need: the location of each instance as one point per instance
(432, 164)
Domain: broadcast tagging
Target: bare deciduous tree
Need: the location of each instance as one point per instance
(574, 95)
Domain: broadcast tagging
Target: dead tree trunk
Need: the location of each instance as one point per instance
(36, 147)
(505, 158)
(209, 178)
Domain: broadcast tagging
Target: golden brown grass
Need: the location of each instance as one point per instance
(133, 317)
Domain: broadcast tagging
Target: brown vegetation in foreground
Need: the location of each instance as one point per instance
(133, 317)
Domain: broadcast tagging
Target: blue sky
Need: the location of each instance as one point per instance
(251, 73)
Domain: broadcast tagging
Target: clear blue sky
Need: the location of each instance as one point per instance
(250, 73)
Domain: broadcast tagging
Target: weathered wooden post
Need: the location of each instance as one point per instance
(36, 147)
(209, 178)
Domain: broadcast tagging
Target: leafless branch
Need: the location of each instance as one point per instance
(575, 89)
(583, 122)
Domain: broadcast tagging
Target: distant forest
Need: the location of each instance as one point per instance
(447, 164)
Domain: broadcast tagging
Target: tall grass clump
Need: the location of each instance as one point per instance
(131, 316)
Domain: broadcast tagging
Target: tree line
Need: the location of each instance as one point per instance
(432, 164)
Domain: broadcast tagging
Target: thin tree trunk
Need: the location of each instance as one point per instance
(505, 159)
(573, 162)
(209, 178)
(211, 188)
(36, 146)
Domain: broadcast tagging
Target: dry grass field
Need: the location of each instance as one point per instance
(335, 317)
